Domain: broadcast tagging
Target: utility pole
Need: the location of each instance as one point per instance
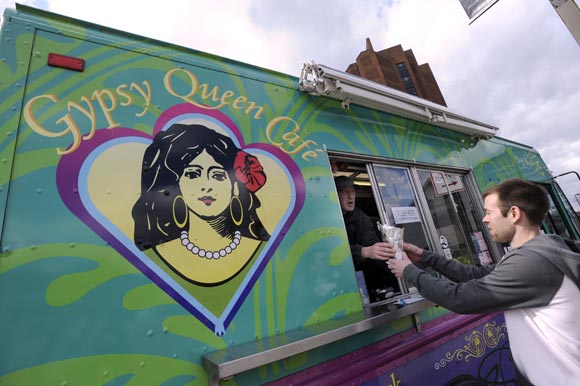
(570, 14)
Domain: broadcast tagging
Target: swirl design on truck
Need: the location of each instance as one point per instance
(477, 344)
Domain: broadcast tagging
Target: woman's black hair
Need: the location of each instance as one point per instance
(160, 213)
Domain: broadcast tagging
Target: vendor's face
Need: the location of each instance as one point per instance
(206, 186)
(501, 227)
(347, 199)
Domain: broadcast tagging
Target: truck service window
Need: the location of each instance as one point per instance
(437, 209)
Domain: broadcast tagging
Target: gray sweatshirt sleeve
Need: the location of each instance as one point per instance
(520, 281)
(453, 269)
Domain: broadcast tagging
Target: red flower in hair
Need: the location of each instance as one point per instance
(249, 171)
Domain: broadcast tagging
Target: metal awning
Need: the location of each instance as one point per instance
(317, 79)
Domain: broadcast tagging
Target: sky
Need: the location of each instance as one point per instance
(516, 67)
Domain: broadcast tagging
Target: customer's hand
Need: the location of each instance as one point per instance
(414, 253)
(398, 266)
(378, 251)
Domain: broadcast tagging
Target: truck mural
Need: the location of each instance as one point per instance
(169, 217)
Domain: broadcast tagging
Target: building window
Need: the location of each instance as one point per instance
(407, 81)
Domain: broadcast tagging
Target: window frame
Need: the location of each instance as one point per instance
(427, 223)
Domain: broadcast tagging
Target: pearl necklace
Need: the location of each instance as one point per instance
(209, 254)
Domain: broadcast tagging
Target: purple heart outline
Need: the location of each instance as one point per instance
(71, 177)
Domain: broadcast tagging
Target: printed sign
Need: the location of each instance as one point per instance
(405, 214)
(475, 8)
(481, 248)
(450, 183)
(445, 245)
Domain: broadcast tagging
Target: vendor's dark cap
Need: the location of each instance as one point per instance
(342, 183)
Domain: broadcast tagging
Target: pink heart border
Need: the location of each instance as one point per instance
(70, 186)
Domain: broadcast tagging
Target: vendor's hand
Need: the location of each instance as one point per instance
(414, 253)
(378, 251)
(398, 266)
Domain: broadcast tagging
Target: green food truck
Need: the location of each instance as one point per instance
(169, 217)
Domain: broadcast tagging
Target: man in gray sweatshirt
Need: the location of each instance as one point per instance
(536, 284)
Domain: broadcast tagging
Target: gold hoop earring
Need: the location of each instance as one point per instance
(186, 217)
(239, 208)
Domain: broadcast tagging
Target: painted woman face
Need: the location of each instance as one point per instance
(205, 186)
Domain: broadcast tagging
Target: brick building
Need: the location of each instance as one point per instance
(398, 69)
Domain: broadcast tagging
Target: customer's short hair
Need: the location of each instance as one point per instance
(531, 198)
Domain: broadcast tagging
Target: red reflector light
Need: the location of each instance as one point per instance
(63, 61)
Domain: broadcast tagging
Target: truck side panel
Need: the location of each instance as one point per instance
(83, 300)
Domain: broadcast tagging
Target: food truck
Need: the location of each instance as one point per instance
(169, 217)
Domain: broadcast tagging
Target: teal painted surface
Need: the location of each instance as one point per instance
(74, 310)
